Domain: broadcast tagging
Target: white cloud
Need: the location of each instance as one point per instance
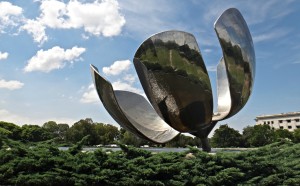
(8, 116)
(119, 85)
(84, 36)
(90, 96)
(36, 29)
(125, 82)
(117, 67)
(3, 55)
(9, 15)
(7, 9)
(54, 58)
(96, 18)
(211, 68)
(52, 12)
(130, 78)
(10, 85)
(207, 50)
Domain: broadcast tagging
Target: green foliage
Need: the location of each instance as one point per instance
(106, 134)
(34, 133)
(58, 131)
(78, 146)
(42, 163)
(283, 134)
(5, 132)
(80, 129)
(258, 135)
(45, 164)
(296, 136)
(130, 139)
(225, 136)
(15, 130)
(132, 152)
(99, 133)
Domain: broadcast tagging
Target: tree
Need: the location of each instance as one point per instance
(56, 130)
(226, 136)
(62, 130)
(4, 132)
(296, 135)
(34, 133)
(81, 129)
(122, 132)
(51, 127)
(283, 134)
(106, 134)
(130, 139)
(258, 135)
(15, 130)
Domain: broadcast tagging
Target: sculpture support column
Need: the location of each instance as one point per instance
(205, 145)
(203, 135)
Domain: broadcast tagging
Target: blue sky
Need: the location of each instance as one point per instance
(47, 45)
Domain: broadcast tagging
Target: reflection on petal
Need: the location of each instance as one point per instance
(224, 98)
(175, 80)
(132, 111)
(239, 57)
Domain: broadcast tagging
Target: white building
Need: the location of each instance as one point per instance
(289, 121)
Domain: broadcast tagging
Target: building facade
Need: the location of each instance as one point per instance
(289, 121)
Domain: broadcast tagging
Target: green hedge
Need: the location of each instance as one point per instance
(44, 164)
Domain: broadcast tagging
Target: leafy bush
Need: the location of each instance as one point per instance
(45, 164)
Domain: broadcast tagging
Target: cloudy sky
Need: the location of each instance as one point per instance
(46, 47)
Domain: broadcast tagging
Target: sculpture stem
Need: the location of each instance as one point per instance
(205, 145)
(203, 135)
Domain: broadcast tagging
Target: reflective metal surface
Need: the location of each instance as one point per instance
(132, 111)
(175, 80)
(224, 97)
(174, 77)
(239, 61)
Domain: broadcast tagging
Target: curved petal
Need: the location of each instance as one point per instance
(174, 77)
(239, 60)
(132, 111)
(224, 97)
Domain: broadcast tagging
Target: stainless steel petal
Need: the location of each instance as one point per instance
(224, 97)
(143, 117)
(132, 111)
(239, 58)
(175, 80)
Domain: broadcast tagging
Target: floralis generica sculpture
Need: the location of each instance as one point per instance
(175, 80)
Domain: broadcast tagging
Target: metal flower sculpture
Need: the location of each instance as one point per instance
(174, 77)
